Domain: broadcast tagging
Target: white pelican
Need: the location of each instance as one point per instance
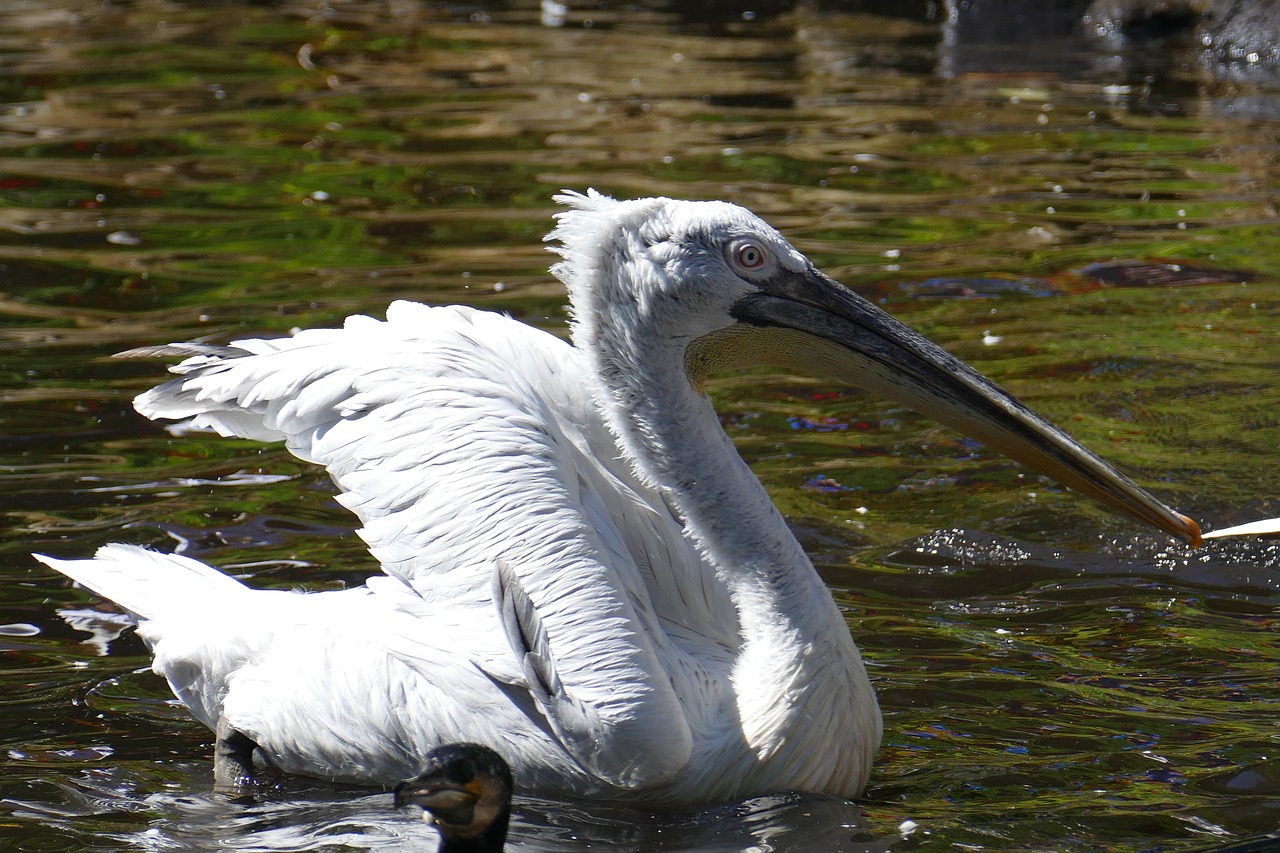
(579, 571)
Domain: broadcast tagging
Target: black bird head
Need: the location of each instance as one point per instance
(465, 790)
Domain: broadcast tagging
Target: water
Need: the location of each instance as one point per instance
(1092, 225)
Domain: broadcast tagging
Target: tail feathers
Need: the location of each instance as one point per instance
(149, 584)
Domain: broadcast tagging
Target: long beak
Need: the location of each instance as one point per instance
(845, 334)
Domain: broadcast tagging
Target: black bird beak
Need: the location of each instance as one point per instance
(449, 802)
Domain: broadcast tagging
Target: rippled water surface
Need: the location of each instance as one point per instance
(1093, 225)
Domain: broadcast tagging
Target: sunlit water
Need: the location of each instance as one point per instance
(1092, 226)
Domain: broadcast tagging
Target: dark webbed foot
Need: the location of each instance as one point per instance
(233, 759)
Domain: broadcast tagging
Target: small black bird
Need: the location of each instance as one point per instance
(466, 789)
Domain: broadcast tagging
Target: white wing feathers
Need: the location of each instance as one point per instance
(464, 441)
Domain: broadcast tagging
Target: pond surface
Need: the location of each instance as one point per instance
(1093, 225)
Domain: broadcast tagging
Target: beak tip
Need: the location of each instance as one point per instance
(1190, 531)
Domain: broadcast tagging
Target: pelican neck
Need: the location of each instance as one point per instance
(671, 430)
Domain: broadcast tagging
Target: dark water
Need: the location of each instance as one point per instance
(1092, 224)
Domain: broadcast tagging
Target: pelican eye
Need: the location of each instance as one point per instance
(748, 256)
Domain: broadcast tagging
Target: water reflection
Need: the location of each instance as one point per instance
(1050, 676)
(185, 815)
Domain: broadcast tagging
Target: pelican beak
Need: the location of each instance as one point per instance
(818, 324)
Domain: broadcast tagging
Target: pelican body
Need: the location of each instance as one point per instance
(578, 570)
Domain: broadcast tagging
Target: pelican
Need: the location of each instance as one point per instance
(578, 570)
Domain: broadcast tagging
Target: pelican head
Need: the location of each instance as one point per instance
(465, 791)
(709, 286)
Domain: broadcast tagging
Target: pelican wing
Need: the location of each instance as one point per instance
(465, 441)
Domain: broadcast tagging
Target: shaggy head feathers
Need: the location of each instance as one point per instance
(655, 261)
